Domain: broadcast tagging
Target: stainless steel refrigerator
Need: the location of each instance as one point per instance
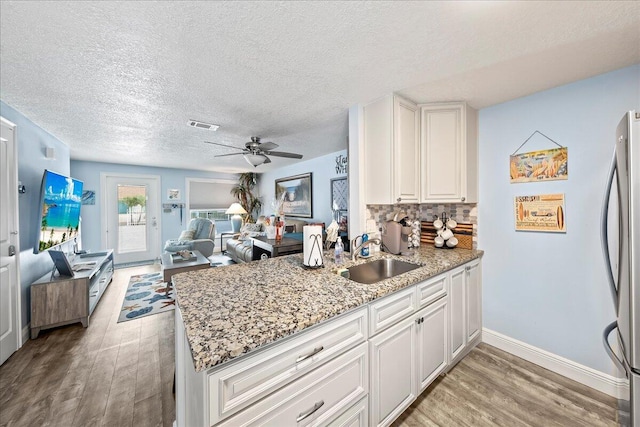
(624, 281)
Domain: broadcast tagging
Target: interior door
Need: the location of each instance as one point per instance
(130, 217)
(10, 337)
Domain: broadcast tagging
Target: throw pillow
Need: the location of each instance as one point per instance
(186, 235)
(248, 228)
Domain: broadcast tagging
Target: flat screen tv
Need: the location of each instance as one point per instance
(59, 219)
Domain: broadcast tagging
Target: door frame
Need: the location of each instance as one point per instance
(14, 205)
(103, 208)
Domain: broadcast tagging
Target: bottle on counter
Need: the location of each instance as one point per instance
(365, 249)
(339, 251)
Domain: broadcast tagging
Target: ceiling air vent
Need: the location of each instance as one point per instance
(202, 125)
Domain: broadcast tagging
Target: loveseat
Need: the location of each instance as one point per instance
(240, 247)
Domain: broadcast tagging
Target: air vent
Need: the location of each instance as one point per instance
(202, 125)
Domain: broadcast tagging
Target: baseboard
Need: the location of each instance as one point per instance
(25, 333)
(616, 387)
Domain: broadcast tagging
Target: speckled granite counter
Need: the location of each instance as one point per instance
(229, 311)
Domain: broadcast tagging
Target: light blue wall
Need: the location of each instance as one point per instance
(323, 169)
(89, 172)
(549, 290)
(32, 142)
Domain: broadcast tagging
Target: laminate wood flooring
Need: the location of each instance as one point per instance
(109, 374)
(121, 374)
(490, 387)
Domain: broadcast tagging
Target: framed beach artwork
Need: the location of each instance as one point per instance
(295, 191)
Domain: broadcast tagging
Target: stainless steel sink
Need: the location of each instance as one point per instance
(380, 269)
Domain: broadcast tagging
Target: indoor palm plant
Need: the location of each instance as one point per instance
(243, 192)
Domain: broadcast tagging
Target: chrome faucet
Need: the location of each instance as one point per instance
(355, 248)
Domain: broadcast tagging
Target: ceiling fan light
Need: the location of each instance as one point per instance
(255, 159)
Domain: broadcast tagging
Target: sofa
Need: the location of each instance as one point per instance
(240, 248)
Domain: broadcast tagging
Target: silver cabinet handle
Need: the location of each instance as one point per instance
(310, 412)
(15, 233)
(313, 353)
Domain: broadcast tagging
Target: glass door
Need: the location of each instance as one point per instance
(131, 218)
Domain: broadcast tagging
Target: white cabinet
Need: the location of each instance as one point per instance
(393, 371)
(465, 299)
(432, 342)
(391, 151)
(449, 153)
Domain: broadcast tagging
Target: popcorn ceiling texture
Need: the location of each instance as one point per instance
(117, 81)
(460, 212)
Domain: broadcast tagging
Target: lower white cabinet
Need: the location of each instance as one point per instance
(393, 371)
(465, 300)
(356, 416)
(405, 359)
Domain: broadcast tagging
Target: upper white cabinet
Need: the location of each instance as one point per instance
(391, 151)
(449, 153)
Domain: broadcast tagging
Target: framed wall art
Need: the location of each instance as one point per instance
(295, 191)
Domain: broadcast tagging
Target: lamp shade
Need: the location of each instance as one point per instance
(235, 209)
(255, 159)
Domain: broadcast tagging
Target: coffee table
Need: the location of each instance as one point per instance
(171, 266)
(269, 248)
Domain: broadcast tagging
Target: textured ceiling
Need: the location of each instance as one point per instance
(117, 81)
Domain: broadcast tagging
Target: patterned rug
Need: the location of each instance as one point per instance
(145, 296)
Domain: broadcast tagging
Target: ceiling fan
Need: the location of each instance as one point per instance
(255, 152)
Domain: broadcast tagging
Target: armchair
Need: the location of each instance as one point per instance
(199, 236)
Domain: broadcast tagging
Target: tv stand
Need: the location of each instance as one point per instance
(61, 300)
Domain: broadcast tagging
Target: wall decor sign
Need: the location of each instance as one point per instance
(88, 197)
(542, 165)
(295, 191)
(173, 194)
(342, 164)
(544, 212)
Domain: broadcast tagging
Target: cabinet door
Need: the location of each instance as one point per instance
(59, 302)
(393, 371)
(442, 153)
(457, 309)
(376, 168)
(474, 299)
(432, 342)
(406, 151)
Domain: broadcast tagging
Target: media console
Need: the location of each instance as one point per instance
(58, 300)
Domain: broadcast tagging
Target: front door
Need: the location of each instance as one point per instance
(10, 338)
(130, 217)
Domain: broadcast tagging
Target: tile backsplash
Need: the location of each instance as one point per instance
(461, 212)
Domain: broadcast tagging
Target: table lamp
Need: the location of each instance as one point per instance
(236, 220)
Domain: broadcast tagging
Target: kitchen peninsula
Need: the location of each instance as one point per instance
(257, 342)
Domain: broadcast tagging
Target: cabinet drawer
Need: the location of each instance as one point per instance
(241, 384)
(390, 310)
(356, 416)
(315, 399)
(431, 290)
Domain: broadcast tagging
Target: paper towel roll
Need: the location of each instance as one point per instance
(312, 245)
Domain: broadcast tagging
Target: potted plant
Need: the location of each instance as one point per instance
(243, 192)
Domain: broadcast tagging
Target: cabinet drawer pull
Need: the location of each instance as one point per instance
(313, 353)
(310, 412)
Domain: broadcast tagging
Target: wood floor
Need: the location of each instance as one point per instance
(492, 388)
(111, 374)
(120, 374)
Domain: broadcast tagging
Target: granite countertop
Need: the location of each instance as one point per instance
(230, 311)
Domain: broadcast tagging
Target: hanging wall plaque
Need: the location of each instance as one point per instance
(541, 165)
(544, 212)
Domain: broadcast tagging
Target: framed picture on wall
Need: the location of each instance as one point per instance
(295, 191)
(339, 194)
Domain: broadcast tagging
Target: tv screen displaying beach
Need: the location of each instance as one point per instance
(62, 198)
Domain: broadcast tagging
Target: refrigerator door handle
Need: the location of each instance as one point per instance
(604, 233)
(613, 325)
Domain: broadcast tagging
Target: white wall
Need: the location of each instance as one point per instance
(323, 169)
(549, 290)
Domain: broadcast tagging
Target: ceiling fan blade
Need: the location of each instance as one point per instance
(266, 146)
(224, 145)
(232, 154)
(283, 154)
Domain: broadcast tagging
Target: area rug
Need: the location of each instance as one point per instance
(145, 296)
